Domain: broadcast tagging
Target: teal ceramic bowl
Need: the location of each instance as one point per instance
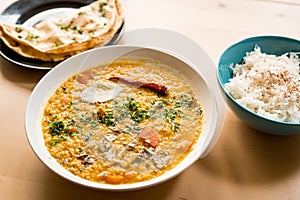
(234, 54)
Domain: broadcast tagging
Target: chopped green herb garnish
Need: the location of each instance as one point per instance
(107, 118)
(85, 118)
(58, 139)
(73, 134)
(66, 28)
(60, 131)
(18, 30)
(101, 5)
(94, 123)
(34, 36)
(81, 13)
(175, 126)
(199, 111)
(56, 128)
(80, 31)
(152, 101)
(54, 142)
(56, 44)
(71, 122)
(136, 112)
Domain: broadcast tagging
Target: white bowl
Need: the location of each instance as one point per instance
(54, 78)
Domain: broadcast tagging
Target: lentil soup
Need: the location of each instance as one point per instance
(124, 122)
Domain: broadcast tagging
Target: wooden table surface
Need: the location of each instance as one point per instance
(244, 164)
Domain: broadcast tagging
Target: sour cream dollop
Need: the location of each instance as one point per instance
(101, 92)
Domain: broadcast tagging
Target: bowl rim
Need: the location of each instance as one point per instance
(123, 187)
(251, 39)
(255, 37)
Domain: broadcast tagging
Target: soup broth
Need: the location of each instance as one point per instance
(123, 122)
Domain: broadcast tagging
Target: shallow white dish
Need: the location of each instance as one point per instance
(95, 57)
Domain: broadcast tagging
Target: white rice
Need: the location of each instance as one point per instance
(269, 85)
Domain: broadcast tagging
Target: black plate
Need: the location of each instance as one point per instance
(22, 10)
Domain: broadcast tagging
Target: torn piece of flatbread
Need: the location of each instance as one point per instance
(60, 37)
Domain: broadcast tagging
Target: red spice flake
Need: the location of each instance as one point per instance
(160, 89)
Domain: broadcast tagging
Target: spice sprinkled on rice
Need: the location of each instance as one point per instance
(269, 85)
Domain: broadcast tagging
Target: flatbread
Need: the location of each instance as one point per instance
(60, 37)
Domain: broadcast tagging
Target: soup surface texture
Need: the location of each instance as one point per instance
(124, 122)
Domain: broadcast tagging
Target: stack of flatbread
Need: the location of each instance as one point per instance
(60, 37)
